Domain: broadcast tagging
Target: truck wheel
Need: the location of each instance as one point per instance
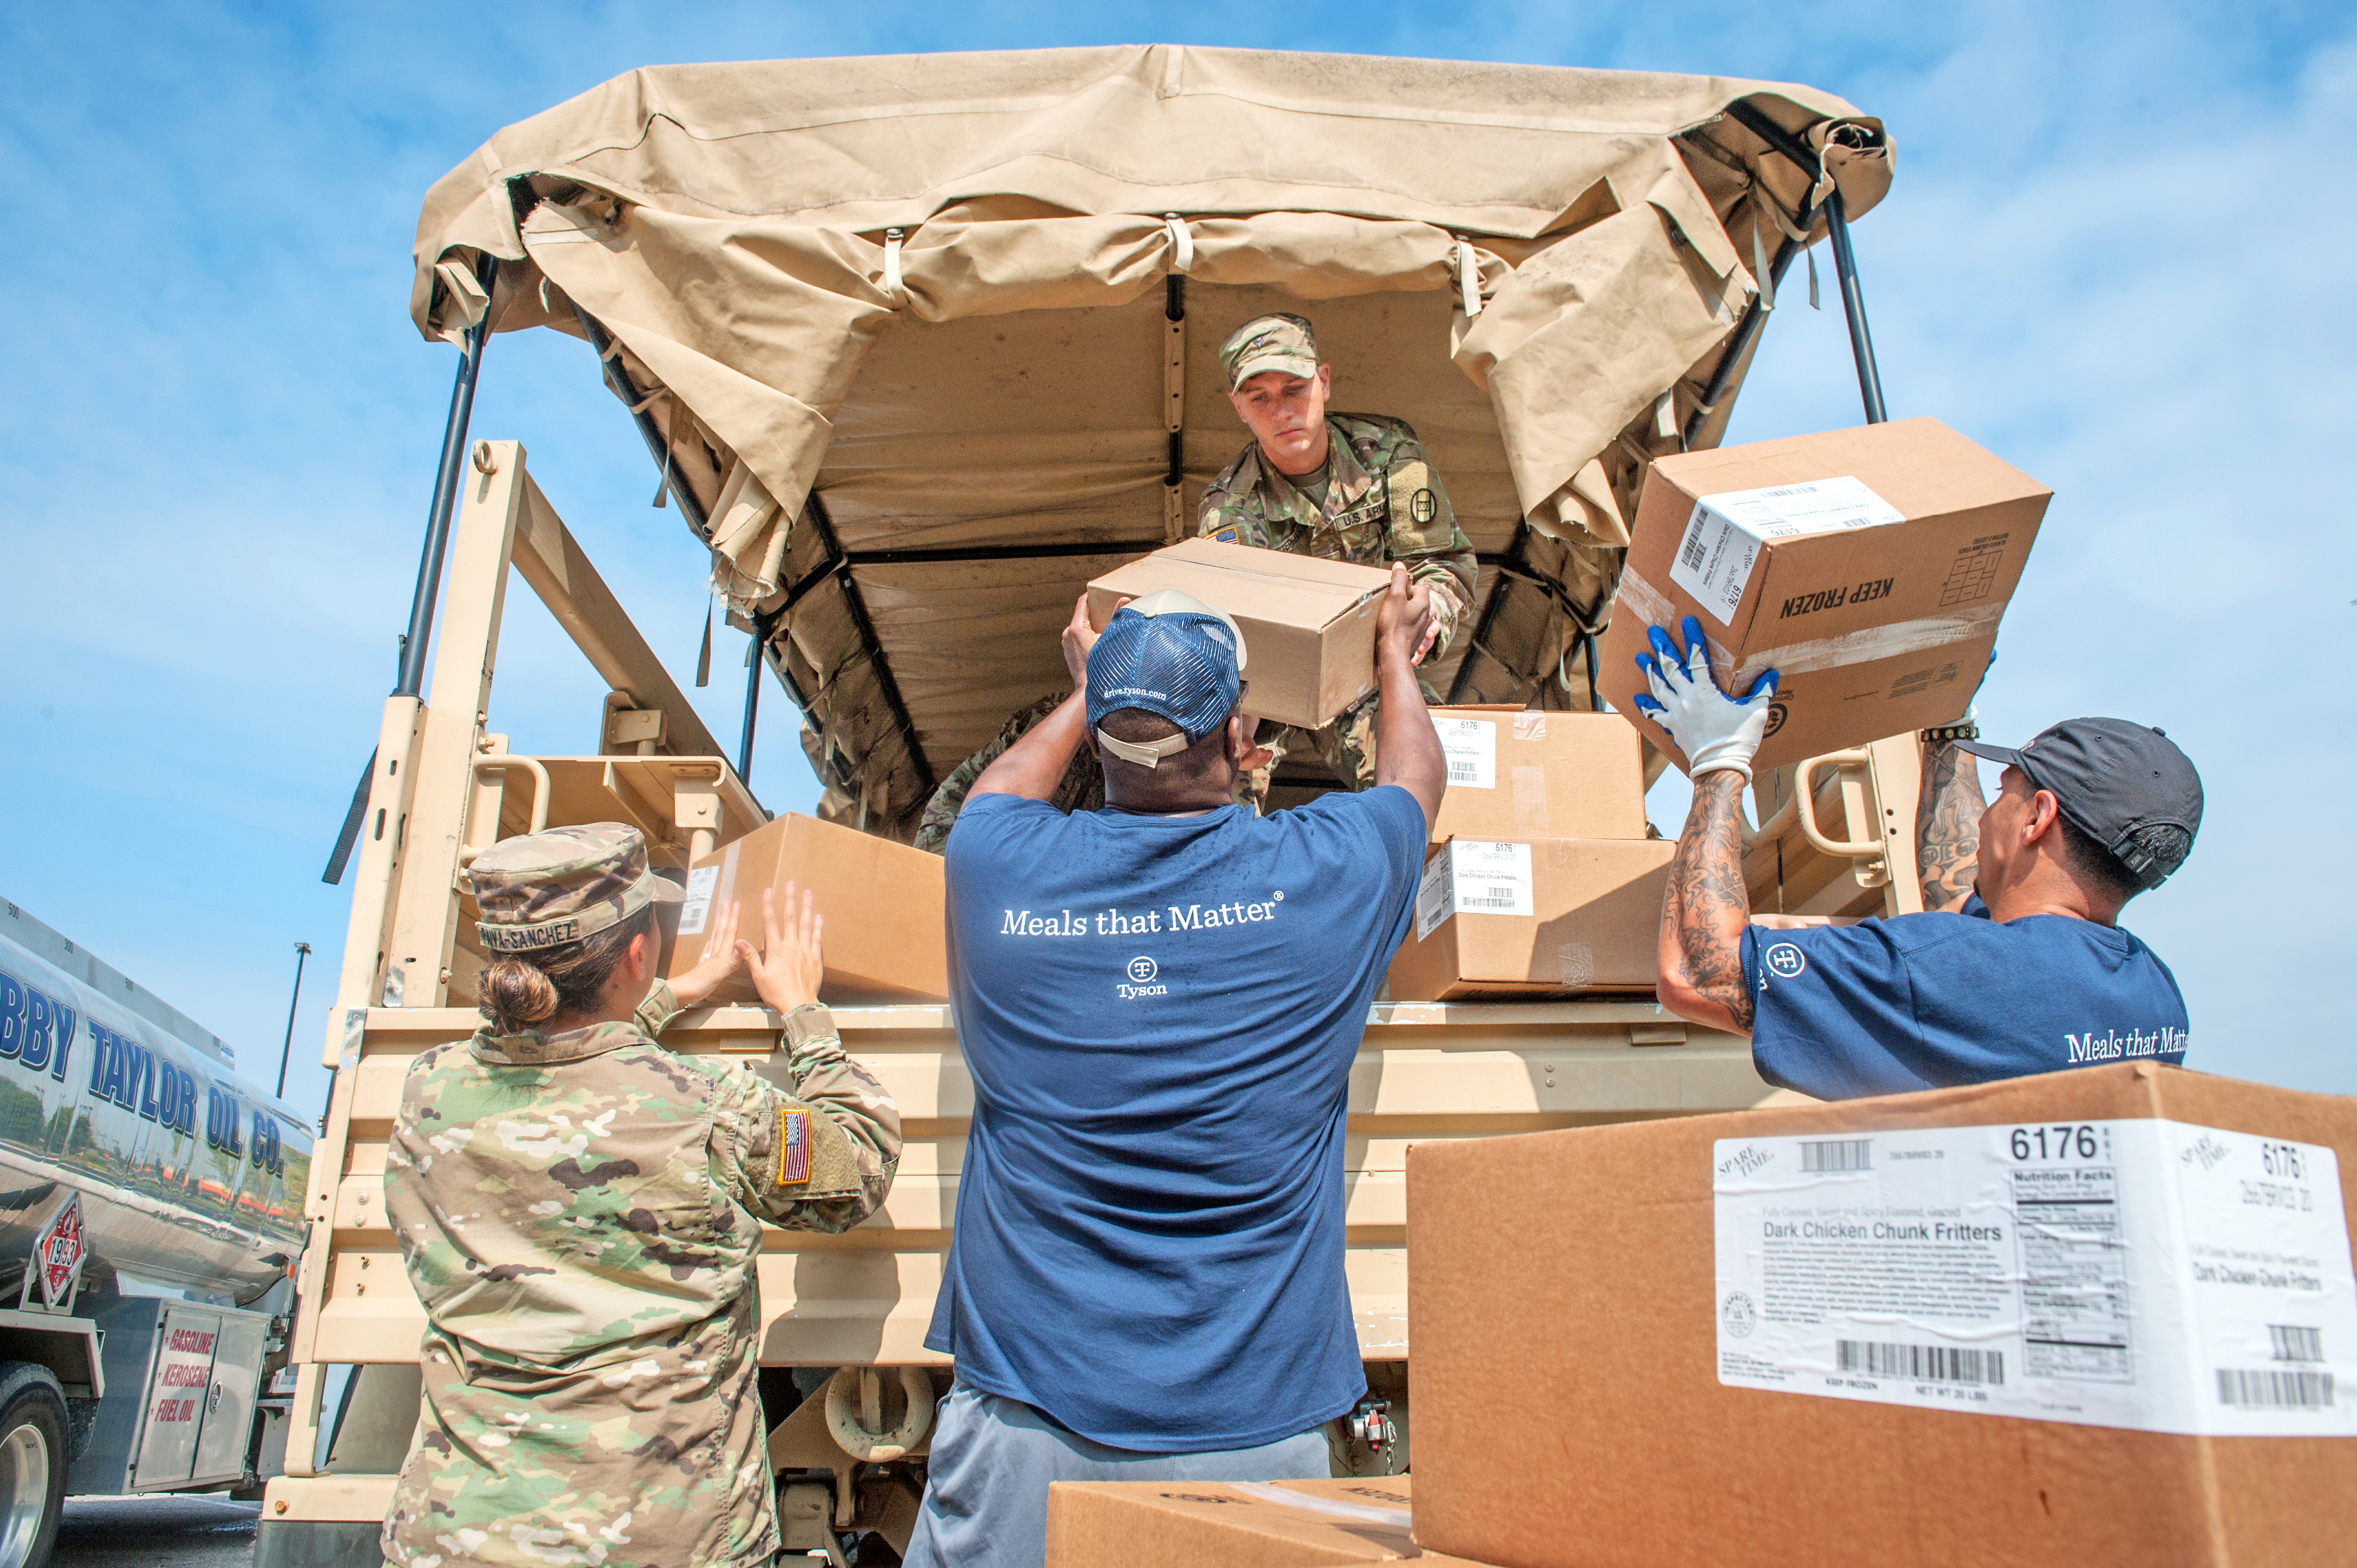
(32, 1464)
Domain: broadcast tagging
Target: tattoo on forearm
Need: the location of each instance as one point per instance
(1707, 897)
(1948, 826)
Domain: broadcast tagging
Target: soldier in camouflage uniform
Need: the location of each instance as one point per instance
(1082, 788)
(1345, 487)
(580, 1210)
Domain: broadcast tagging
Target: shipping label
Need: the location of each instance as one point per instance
(1476, 876)
(1471, 747)
(696, 908)
(2146, 1275)
(1727, 533)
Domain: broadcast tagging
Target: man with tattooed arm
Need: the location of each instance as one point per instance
(2017, 964)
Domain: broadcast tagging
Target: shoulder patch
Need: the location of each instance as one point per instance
(1225, 535)
(794, 1145)
(1424, 506)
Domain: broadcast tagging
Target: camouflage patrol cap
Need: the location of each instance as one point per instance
(546, 889)
(1269, 343)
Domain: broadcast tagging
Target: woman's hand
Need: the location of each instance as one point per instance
(787, 971)
(720, 959)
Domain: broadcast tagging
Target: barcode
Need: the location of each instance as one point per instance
(2295, 1344)
(1692, 554)
(1921, 1363)
(1461, 770)
(2276, 1391)
(1486, 901)
(1842, 1155)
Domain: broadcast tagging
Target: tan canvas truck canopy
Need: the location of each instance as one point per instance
(923, 343)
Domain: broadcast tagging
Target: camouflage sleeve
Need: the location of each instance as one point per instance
(942, 811)
(821, 1158)
(1212, 509)
(655, 1013)
(1223, 509)
(1424, 535)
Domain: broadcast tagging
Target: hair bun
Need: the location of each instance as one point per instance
(516, 994)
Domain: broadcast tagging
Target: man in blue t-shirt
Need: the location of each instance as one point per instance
(2017, 964)
(1160, 1003)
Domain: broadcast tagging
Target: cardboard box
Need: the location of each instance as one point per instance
(1535, 917)
(1602, 1317)
(1308, 625)
(1196, 1524)
(1869, 566)
(882, 903)
(1522, 773)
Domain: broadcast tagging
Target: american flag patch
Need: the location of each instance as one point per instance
(793, 1146)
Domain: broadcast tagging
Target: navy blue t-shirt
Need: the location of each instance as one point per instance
(1161, 1014)
(1935, 1000)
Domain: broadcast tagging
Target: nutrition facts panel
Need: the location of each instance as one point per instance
(2074, 1275)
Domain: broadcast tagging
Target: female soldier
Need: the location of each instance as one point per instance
(578, 1209)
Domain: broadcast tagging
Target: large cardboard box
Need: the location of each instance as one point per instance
(1199, 1524)
(1520, 772)
(2097, 1316)
(1535, 917)
(882, 903)
(1308, 625)
(1869, 566)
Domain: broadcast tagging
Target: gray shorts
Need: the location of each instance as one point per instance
(987, 1489)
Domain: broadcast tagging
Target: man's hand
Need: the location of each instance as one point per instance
(1404, 619)
(787, 971)
(718, 960)
(1079, 637)
(1715, 732)
(1407, 748)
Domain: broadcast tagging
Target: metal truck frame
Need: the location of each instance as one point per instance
(443, 786)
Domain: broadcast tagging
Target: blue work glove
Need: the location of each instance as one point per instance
(1715, 732)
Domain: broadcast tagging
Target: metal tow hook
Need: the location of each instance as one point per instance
(1369, 1421)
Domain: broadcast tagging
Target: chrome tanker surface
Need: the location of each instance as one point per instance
(189, 1177)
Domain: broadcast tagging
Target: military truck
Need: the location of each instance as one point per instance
(149, 1228)
(918, 346)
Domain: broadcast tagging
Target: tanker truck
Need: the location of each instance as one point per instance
(918, 348)
(150, 1223)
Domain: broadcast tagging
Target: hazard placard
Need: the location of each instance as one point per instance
(58, 1252)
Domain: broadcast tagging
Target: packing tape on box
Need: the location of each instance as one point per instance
(1530, 800)
(1820, 653)
(1282, 579)
(1575, 964)
(1362, 1513)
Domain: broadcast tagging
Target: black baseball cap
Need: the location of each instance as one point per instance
(2115, 780)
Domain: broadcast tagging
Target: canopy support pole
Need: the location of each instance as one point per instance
(619, 381)
(413, 643)
(1796, 153)
(1507, 565)
(1861, 341)
(761, 627)
(839, 565)
(409, 678)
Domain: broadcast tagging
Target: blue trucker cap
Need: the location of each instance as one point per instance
(1169, 654)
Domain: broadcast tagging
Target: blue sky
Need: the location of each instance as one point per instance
(2116, 253)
